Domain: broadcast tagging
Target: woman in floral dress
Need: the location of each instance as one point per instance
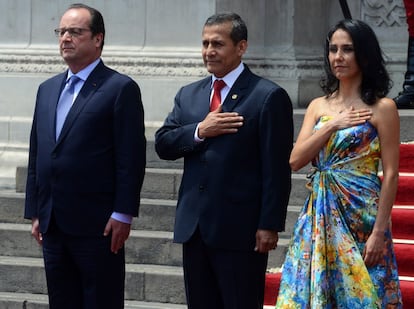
(341, 253)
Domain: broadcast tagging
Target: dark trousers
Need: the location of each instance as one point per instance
(82, 273)
(222, 279)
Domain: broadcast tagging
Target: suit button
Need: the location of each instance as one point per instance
(201, 188)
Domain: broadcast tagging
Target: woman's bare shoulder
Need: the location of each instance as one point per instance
(317, 107)
(384, 109)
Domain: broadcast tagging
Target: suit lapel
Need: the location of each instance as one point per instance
(238, 91)
(204, 97)
(92, 83)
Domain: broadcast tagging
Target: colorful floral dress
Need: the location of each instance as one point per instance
(324, 267)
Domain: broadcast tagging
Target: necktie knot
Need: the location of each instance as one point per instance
(218, 85)
(216, 99)
(71, 82)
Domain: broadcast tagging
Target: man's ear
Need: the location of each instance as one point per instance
(99, 38)
(242, 47)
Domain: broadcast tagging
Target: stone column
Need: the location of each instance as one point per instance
(285, 42)
(158, 43)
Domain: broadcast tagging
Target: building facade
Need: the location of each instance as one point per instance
(158, 43)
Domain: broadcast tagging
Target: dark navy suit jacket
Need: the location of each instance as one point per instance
(232, 184)
(97, 165)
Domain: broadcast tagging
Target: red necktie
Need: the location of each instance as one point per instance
(216, 100)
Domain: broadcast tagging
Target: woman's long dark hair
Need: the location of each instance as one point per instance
(376, 82)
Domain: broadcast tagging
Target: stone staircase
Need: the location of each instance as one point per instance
(154, 277)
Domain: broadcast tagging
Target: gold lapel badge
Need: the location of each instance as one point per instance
(234, 96)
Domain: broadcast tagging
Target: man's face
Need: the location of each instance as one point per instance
(78, 47)
(220, 54)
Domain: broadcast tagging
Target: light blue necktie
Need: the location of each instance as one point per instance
(65, 103)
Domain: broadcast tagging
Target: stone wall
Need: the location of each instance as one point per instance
(158, 43)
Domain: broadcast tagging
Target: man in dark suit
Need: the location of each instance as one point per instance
(236, 183)
(84, 181)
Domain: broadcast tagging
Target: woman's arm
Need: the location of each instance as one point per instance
(387, 123)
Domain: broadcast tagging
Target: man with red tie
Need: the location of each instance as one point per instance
(235, 139)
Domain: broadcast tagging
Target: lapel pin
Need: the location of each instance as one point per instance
(234, 96)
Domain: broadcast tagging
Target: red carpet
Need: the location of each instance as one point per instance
(405, 193)
(404, 253)
(402, 228)
(406, 158)
(405, 228)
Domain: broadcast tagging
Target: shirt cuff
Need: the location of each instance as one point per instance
(124, 218)
(196, 138)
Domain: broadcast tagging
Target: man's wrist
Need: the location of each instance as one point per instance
(124, 218)
(197, 138)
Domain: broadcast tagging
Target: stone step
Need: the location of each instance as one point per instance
(144, 282)
(406, 128)
(155, 214)
(163, 183)
(142, 247)
(16, 130)
(154, 273)
(14, 147)
(40, 301)
(15, 157)
(148, 283)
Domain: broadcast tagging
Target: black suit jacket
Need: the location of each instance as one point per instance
(237, 183)
(97, 165)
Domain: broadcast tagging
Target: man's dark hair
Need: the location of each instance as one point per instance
(97, 23)
(239, 29)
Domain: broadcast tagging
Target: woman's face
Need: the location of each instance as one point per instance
(342, 56)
